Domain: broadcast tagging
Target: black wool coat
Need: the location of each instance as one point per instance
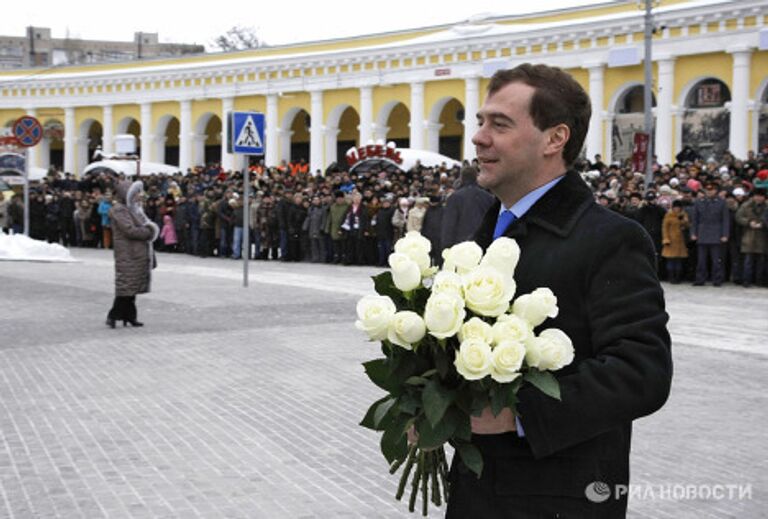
(601, 267)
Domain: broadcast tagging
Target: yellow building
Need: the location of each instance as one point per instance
(419, 88)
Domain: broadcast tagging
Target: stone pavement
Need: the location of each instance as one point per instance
(235, 402)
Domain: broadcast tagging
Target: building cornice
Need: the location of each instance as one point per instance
(339, 66)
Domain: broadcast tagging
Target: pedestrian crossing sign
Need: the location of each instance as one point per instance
(248, 133)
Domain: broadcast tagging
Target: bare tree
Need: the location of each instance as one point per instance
(238, 38)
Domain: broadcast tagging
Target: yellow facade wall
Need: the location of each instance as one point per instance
(9, 116)
(202, 107)
(383, 95)
(293, 100)
(160, 110)
(434, 91)
(759, 72)
(718, 65)
(251, 104)
(616, 79)
(84, 113)
(120, 112)
(334, 98)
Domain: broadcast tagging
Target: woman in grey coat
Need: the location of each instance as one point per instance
(133, 234)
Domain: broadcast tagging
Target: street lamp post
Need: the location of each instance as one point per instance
(647, 90)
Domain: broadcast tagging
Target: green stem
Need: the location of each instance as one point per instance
(406, 472)
(436, 480)
(415, 483)
(397, 463)
(425, 483)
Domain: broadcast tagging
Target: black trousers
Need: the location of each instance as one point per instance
(514, 485)
(123, 309)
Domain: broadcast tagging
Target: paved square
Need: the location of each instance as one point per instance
(235, 402)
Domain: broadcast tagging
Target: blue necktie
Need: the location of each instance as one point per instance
(505, 219)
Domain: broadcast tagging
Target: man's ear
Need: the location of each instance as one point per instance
(557, 138)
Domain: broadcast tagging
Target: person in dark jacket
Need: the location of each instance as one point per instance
(66, 218)
(315, 223)
(710, 228)
(37, 218)
(226, 217)
(464, 210)
(601, 268)
(651, 217)
(384, 230)
(295, 216)
(431, 227)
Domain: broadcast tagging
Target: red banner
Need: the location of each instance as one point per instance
(640, 152)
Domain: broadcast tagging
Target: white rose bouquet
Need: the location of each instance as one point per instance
(455, 341)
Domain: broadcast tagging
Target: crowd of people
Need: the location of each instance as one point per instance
(707, 219)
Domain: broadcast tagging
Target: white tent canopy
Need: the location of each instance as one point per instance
(128, 168)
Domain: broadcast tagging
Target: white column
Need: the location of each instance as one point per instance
(316, 132)
(227, 159)
(738, 141)
(158, 144)
(666, 87)
(471, 106)
(331, 148)
(595, 133)
(70, 138)
(433, 136)
(366, 115)
(185, 136)
(44, 155)
(608, 144)
(754, 141)
(107, 137)
(272, 151)
(32, 151)
(378, 133)
(81, 145)
(198, 149)
(417, 116)
(284, 136)
(678, 114)
(146, 135)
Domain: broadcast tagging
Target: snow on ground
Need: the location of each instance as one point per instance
(17, 247)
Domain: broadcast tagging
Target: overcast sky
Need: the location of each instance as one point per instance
(277, 22)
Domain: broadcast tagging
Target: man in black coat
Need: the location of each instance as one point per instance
(464, 210)
(553, 459)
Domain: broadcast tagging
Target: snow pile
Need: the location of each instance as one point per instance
(17, 247)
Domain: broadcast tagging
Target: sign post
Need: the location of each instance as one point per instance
(28, 132)
(247, 138)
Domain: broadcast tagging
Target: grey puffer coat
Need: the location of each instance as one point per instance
(133, 235)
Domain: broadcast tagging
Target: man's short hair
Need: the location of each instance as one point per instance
(558, 99)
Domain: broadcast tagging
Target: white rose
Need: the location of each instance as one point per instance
(374, 315)
(551, 350)
(473, 360)
(503, 254)
(506, 361)
(476, 328)
(511, 327)
(444, 314)
(416, 247)
(405, 272)
(406, 328)
(448, 282)
(536, 306)
(488, 292)
(462, 257)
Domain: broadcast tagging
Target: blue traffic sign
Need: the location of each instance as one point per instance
(248, 133)
(27, 131)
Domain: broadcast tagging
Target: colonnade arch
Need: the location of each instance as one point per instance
(445, 127)
(628, 117)
(705, 121)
